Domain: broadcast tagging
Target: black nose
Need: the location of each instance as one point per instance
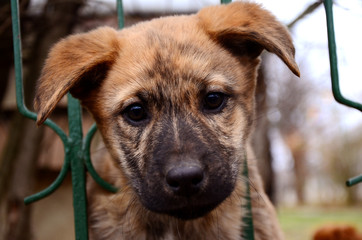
(185, 180)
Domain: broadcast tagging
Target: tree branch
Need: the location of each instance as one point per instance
(306, 12)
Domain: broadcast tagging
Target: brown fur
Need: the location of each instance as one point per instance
(337, 233)
(169, 66)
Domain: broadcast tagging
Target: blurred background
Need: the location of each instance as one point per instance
(307, 145)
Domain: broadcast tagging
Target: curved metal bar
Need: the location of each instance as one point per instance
(333, 59)
(57, 130)
(23, 109)
(19, 73)
(55, 185)
(328, 4)
(88, 163)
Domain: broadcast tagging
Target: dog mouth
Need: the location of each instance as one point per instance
(191, 211)
(186, 207)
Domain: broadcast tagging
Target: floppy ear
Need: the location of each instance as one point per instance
(77, 64)
(246, 29)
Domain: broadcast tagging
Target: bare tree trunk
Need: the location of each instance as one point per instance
(260, 138)
(19, 158)
(20, 183)
(297, 146)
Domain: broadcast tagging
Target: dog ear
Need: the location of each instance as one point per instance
(77, 64)
(246, 29)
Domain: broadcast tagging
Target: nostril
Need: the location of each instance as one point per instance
(197, 179)
(172, 183)
(185, 180)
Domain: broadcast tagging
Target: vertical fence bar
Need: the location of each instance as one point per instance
(77, 168)
(18, 57)
(248, 229)
(120, 14)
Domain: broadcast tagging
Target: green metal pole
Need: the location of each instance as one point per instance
(248, 229)
(75, 154)
(354, 181)
(120, 14)
(328, 4)
(18, 58)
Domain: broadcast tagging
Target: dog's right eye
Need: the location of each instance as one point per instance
(135, 113)
(214, 102)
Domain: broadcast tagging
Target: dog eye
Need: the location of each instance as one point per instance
(135, 113)
(214, 101)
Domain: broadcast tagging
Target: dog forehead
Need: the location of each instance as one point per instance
(180, 27)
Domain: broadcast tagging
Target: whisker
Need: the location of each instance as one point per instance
(177, 227)
(217, 223)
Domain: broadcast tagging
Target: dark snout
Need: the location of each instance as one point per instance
(185, 180)
(189, 173)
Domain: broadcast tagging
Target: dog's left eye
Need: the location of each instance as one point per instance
(214, 101)
(135, 113)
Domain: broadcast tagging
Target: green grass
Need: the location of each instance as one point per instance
(301, 222)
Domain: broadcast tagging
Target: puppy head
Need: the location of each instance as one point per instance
(173, 98)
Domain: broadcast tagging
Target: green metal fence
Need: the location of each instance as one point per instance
(328, 4)
(77, 148)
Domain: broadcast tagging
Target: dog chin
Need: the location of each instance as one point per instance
(190, 212)
(186, 208)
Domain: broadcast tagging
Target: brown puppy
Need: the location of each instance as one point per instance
(334, 232)
(174, 101)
